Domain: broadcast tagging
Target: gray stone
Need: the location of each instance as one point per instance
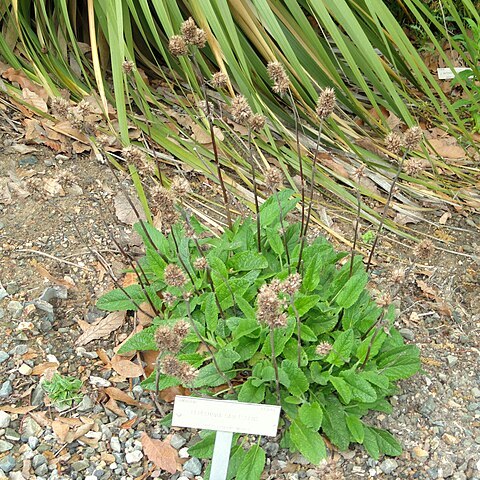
(3, 292)
(4, 419)
(5, 446)
(407, 334)
(12, 288)
(28, 161)
(38, 395)
(11, 434)
(271, 448)
(428, 406)
(15, 309)
(388, 465)
(133, 457)
(31, 428)
(177, 441)
(452, 360)
(19, 350)
(50, 293)
(135, 472)
(80, 465)
(194, 465)
(38, 460)
(7, 464)
(33, 442)
(86, 404)
(115, 445)
(42, 469)
(3, 356)
(476, 392)
(6, 389)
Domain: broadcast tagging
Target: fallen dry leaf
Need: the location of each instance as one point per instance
(120, 396)
(61, 430)
(130, 278)
(447, 148)
(124, 211)
(115, 408)
(161, 453)
(19, 77)
(144, 319)
(150, 358)
(444, 218)
(23, 149)
(426, 289)
(53, 187)
(168, 395)
(34, 100)
(129, 423)
(126, 368)
(40, 369)
(202, 136)
(102, 328)
(66, 282)
(102, 355)
(18, 410)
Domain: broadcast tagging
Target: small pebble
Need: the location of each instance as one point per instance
(5, 446)
(388, 465)
(452, 360)
(25, 369)
(133, 457)
(194, 465)
(7, 464)
(177, 441)
(6, 389)
(15, 309)
(3, 356)
(5, 419)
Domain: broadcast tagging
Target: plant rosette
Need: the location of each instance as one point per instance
(332, 356)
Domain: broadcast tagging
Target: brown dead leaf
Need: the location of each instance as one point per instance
(65, 282)
(19, 77)
(23, 149)
(78, 432)
(444, 218)
(103, 356)
(61, 430)
(34, 100)
(102, 328)
(129, 423)
(429, 291)
(448, 148)
(144, 319)
(120, 396)
(53, 187)
(168, 395)
(124, 211)
(126, 368)
(80, 147)
(161, 453)
(41, 418)
(18, 410)
(130, 278)
(84, 325)
(150, 358)
(115, 408)
(40, 369)
(202, 136)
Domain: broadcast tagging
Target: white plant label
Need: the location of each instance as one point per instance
(447, 74)
(225, 416)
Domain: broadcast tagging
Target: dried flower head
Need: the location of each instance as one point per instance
(180, 187)
(60, 107)
(269, 307)
(257, 122)
(177, 46)
(84, 108)
(167, 340)
(323, 349)
(291, 284)
(413, 166)
(174, 276)
(187, 373)
(273, 179)
(412, 138)
(77, 115)
(384, 299)
(192, 34)
(241, 111)
(398, 275)
(394, 143)
(200, 263)
(219, 80)
(164, 206)
(181, 329)
(128, 66)
(279, 76)
(169, 298)
(425, 249)
(326, 103)
(134, 155)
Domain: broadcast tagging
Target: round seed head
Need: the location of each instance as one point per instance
(412, 138)
(180, 187)
(60, 107)
(323, 349)
(127, 66)
(174, 276)
(181, 329)
(134, 155)
(291, 284)
(200, 263)
(326, 103)
(177, 46)
(273, 179)
(413, 166)
(241, 111)
(425, 249)
(219, 80)
(192, 34)
(257, 122)
(167, 340)
(394, 143)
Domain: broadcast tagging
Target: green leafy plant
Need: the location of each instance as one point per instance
(333, 356)
(63, 391)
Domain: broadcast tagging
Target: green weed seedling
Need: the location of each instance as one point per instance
(63, 391)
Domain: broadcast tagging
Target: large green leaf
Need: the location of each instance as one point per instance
(253, 464)
(308, 441)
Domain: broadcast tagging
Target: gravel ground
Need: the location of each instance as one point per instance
(436, 414)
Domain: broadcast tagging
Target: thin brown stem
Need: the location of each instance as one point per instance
(203, 86)
(299, 331)
(303, 233)
(385, 209)
(255, 192)
(284, 236)
(274, 363)
(355, 233)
